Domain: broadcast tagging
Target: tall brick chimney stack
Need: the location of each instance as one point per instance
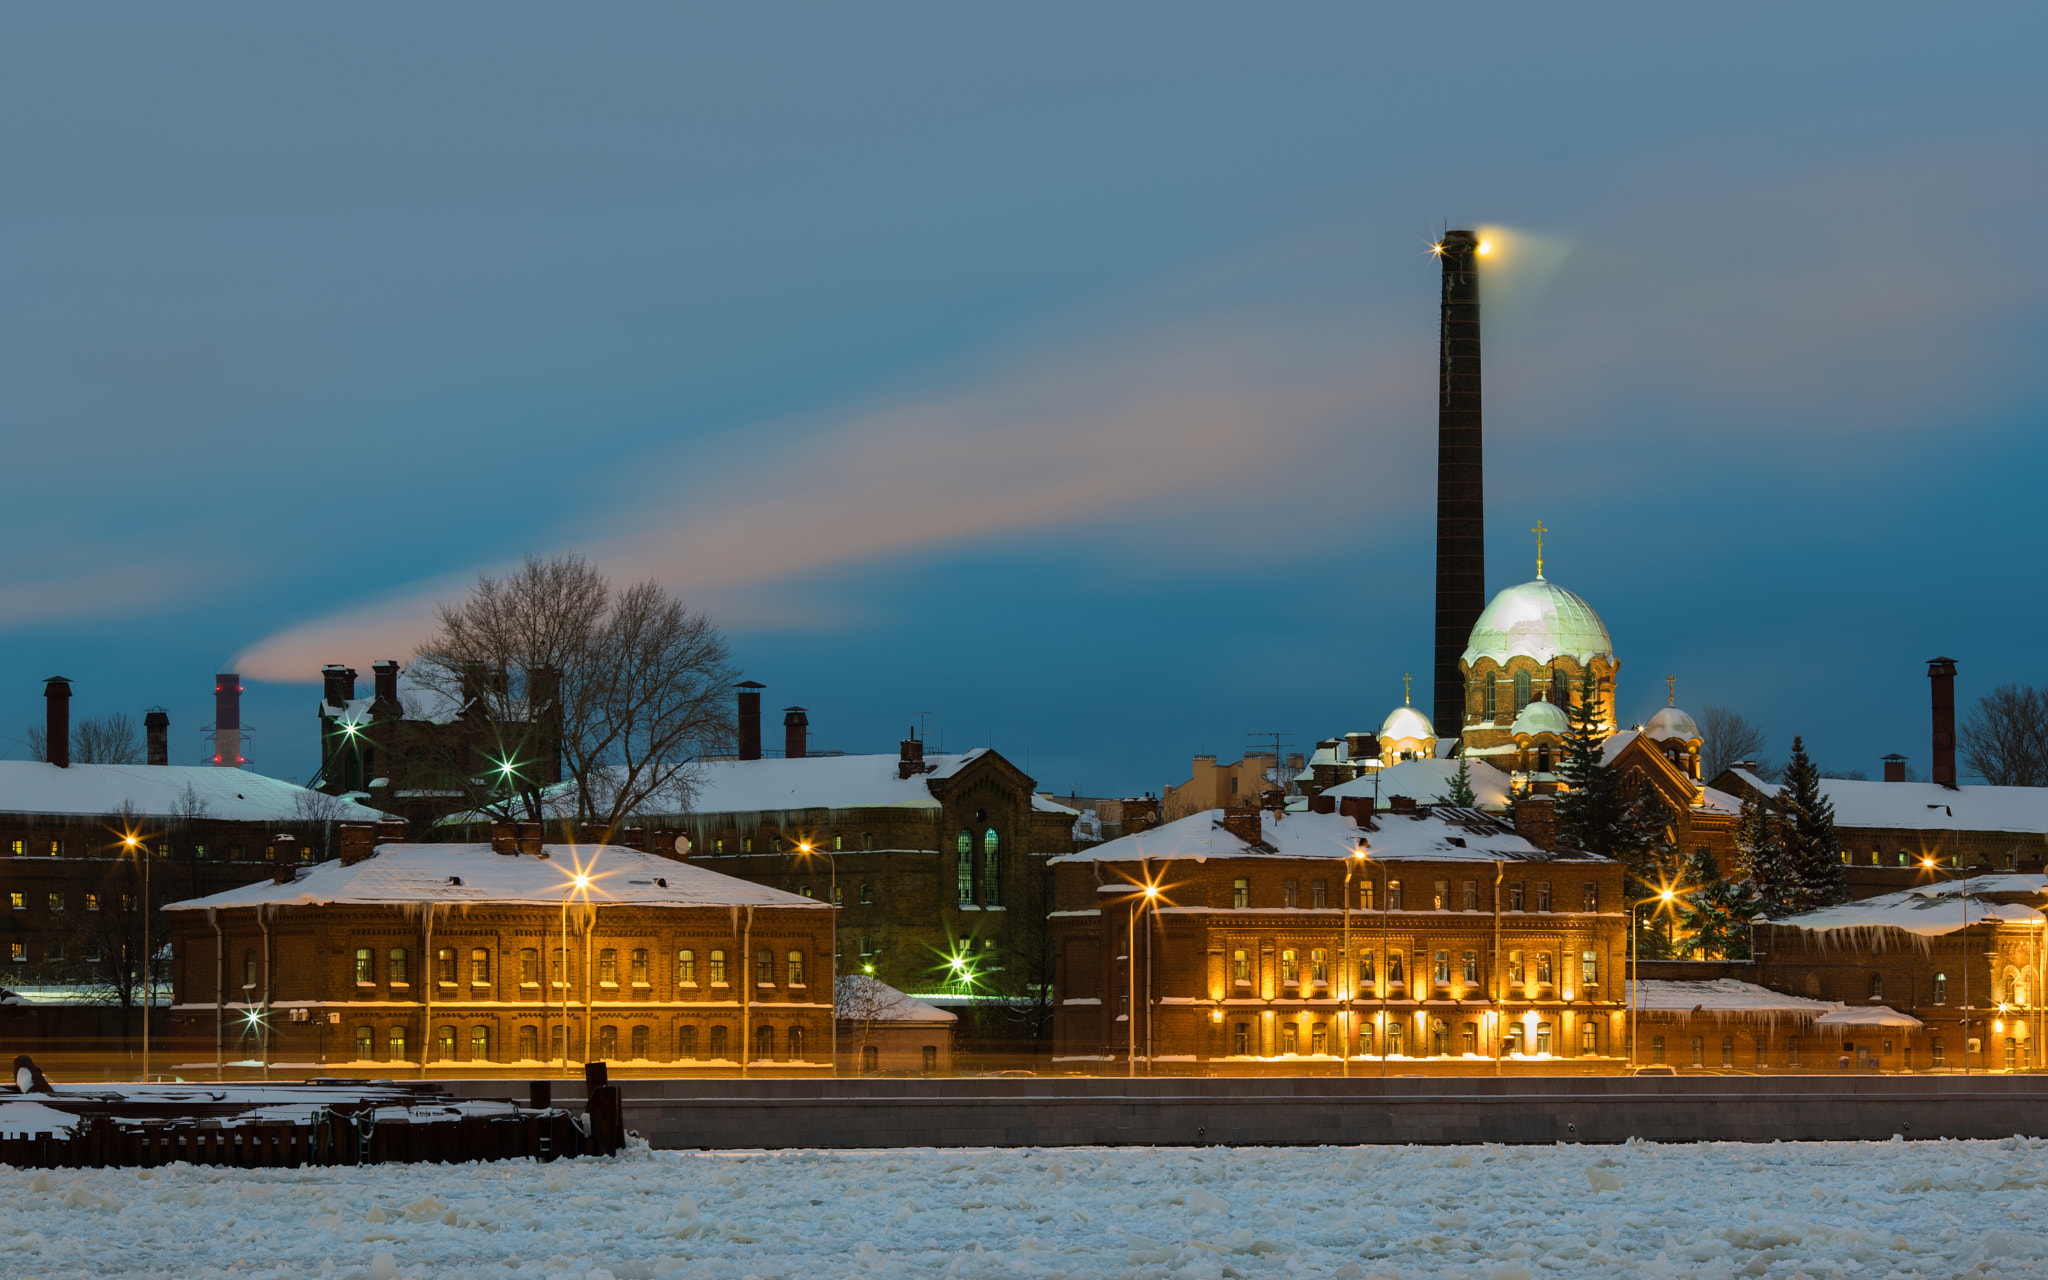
(284, 859)
(910, 758)
(156, 728)
(1460, 477)
(337, 684)
(796, 733)
(385, 686)
(1941, 675)
(750, 718)
(227, 720)
(57, 721)
(1895, 768)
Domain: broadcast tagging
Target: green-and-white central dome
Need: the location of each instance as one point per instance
(1538, 620)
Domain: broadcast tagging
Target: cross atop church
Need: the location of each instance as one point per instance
(1539, 531)
(1671, 690)
(1405, 680)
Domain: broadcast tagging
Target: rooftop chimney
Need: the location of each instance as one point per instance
(1941, 674)
(910, 758)
(391, 831)
(795, 733)
(385, 674)
(156, 728)
(284, 859)
(358, 841)
(1460, 480)
(1895, 768)
(1242, 821)
(227, 720)
(338, 684)
(750, 718)
(57, 721)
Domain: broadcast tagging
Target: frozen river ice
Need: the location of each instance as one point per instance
(1487, 1213)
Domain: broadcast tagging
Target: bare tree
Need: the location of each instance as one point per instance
(2005, 738)
(631, 685)
(108, 739)
(1727, 737)
(863, 999)
(314, 814)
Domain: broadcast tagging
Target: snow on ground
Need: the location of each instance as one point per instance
(1485, 1213)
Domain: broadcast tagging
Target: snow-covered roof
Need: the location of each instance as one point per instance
(1406, 722)
(1045, 804)
(856, 991)
(1538, 620)
(1930, 911)
(1670, 722)
(1614, 742)
(1720, 996)
(1719, 801)
(160, 791)
(1442, 834)
(1542, 717)
(1875, 1015)
(1425, 780)
(1926, 806)
(471, 874)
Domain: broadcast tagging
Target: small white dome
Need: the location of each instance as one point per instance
(1406, 722)
(1670, 722)
(1542, 717)
(1538, 620)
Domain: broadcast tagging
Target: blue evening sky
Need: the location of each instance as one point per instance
(1063, 371)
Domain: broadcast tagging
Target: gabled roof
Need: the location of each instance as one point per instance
(1427, 781)
(1924, 806)
(1441, 834)
(890, 1005)
(410, 875)
(160, 791)
(1720, 996)
(1933, 910)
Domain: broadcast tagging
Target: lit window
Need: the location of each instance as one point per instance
(399, 974)
(718, 968)
(444, 967)
(19, 901)
(56, 901)
(1318, 967)
(92, 902)
(764, 967)
(638, 961)
(480, 966)
(1290, 893)
(1394, 895)
(686, 968)
(608, 967)
(796, 968)
(529, 969)
(1441, 968)
(1290, 971)
(479, 1044)
(396, 1043)
(1470, 971)
(366, 967)
(1241, 894)
(1241, 966)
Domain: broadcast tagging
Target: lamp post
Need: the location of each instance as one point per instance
(1138, 903)
(805, 850)
(579, 884)
(1934, 893)
(1665, 897)
(141, 851)
(1359, 857)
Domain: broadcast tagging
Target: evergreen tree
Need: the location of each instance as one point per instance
(1717, 913)
(1652, 871)
(1813, 851)
(1596, 813)
(1760, 850)
(1461, 794)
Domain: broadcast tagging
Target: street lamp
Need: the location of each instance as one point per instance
(141, 851)
(1148, 894)
(578, 885)
(1665, 897)
(1933, 893)
(804, 850)
(1359, 857)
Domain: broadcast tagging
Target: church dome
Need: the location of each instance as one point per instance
(1542, 717)
(1670, 722)
(1538, 620)
(1406, 722)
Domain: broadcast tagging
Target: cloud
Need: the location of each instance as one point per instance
(110, 591)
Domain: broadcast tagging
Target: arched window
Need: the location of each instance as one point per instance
(396, 1042)
(445, 1043)
(1439, 1038)
(607, 1043)
(1521, 691)
(639, 1044)
(686, 1042)
(1561, 686)
(479, 1044)
(764, 1044)
(870, 1059)
(966, 868)
(529, 1044)
(608, 967)
(796, 968)
(796, 1044)
(638, 959)
(1488, 699)
(366, 1043)
(480, 966)
(1543, 759)
(991, 871)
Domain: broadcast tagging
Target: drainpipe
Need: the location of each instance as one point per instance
(1499, 1011)
(746, 992)
(263, 1027)
(428, 977)
(220, 995)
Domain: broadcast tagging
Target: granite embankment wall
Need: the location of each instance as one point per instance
(732, 1114)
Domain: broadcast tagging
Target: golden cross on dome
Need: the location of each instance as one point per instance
(1405, 678)
(1671, 690)
(1539, 531)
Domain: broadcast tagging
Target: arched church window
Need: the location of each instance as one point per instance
(1521, 691)
(991, 871)
(1543, 759)
(1487, 697)
(1560, 686)
(966, 868)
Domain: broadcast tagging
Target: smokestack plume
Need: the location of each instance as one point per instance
(1941, 675)
(156, 727)
(1460, 479)
(57, 721)
(227, 720)
(796, 733)
(750, 718)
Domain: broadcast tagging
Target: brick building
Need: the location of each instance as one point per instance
(468, 957)
(1464, 942)
(1211, 785)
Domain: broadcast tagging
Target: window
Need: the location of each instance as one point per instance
(1393, 895)
(718, 1039)
(1938, 1051)
(479, 1044)
(480, 966)
(396, 964)
(1317, 890)
(1543, 895)
(1489, 700)
(1470, 972)
(796, 968)
(2011, 1053)
(1470, 899)
(717, 846)
(1394, 974)
(928, 1058)
(56, 902)
(1699, 1051)
(1241, 894)
(1318, 968)
(1656, 1048)
(764, 967)
(796, 1046)
(838, 896)
(1241, 1040)
(1560, 686)
(248, 970)
(1396, 1036)
(870, 1059)
(529, 1044)
(366, 967)
(92, 902)
(746, 844)
(1940, 989)
(1791, 1051)
(867, 840)
(1763, 1051)
(1514, 895)
(1441, 897)
(1728, 1051)
(558, 969)
(56, 848)
(867, 894)
(555, 1038)
(1365, 975)
(607, 1043)
(806, 892)
(686, 1042)
(1441, 968)
(366, 1043)
(529, 966)
(395, 1044)
(686, 968)
(1290, 893)
(775, 844)
(1290, 1039)
(1521, 691)
(1468, 1038)
(608, 967)
(991, 871)
(638, 1044)
(1589, 1037)
(1319, 1038)
(18, 952)
(1439, 1038)
(1543, 1037)
(1241, 966)
(1515, 967)
(1589, 968)
(1589, 896)
(1877, 988)
(1365, 896)
(445, 1044)
(638, 972)
(965, 870)
(838, 843)
(444, 965)
(764, 1044)
(1543, 968)
(1290, 970)
(19, 901)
